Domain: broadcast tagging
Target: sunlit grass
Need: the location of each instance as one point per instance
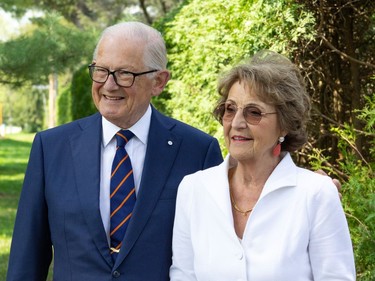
(14, 154)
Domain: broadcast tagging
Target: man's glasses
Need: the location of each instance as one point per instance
(123, 78)
(227, 110)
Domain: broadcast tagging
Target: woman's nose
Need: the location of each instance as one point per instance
(238, 119)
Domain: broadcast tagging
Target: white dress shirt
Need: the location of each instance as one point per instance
(136, 148)
(297, 230)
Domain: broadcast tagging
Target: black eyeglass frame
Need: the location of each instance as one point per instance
(222, 108)
(135, 74)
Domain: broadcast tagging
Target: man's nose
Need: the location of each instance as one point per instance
(111, 82)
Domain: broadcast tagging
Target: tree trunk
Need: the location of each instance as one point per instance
(52, 100)
(355, 86)
(142, 4)
(163, 7)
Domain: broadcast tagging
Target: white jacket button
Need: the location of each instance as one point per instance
(240, 255)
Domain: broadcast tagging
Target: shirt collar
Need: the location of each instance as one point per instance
(139, 129)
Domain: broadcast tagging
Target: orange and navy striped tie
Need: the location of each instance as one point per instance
(122, 192)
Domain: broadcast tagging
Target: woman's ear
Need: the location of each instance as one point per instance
(161, 79)
(283, 133)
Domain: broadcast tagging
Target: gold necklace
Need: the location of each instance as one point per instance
(235, 205)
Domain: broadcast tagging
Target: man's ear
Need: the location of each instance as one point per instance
(161, 79)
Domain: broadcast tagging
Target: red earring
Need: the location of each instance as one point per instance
(277, 149)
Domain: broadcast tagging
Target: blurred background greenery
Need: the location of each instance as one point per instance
(44, 80)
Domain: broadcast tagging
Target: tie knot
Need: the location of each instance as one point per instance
(123, 136)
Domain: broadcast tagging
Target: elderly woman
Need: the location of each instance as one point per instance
(258, 216)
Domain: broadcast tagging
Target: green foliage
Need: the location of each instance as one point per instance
(53, 47)
(64, 108)
(93, 12)
(31, 118)
(75, 101)
(81, 103)
(359, 204)
(359, 190)
(16, 7)
(360, 194)
(200, 47)
(24, 107)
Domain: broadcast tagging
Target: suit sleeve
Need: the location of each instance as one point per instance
(31, 249)
(213, 156)
(182, 268)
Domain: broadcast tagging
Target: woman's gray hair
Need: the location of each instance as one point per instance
(155, 53)
(278, 82)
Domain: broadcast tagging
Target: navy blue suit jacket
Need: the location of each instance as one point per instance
(59, 204)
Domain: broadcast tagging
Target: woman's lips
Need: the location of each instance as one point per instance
(240, 138)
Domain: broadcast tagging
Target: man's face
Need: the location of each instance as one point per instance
(123, 106)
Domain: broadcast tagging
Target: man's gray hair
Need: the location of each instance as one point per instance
(155, 53)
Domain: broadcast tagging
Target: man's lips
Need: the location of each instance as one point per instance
(113, 98)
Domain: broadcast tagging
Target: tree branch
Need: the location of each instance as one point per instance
(142, 4)
(333, 48)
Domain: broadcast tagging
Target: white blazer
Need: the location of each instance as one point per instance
(297, 231)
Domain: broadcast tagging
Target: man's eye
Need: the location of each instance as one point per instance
(100, 70)
(123, 73)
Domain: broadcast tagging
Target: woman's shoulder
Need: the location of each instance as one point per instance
(205, 180)
(207, 174)
(315, 184)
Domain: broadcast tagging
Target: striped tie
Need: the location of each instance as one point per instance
(122, 192)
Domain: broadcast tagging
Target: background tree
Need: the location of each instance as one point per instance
(75, 100)
(339, 64)
(82, 103)
(54, 47)
(359, 189)
(201, 47)
(88, 12)
(24, 107)
(63, 43)
(29, 108)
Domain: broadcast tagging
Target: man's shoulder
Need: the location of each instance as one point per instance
(73, 126)
(180, 127)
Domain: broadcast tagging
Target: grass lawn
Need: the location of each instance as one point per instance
(14, 154)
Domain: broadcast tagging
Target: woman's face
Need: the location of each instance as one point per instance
(247, 142)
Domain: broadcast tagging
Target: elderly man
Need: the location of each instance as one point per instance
(71, 207)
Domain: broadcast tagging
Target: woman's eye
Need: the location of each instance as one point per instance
(253, 111)
(230, 108)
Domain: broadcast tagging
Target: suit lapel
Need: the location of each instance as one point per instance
(161, 151)
(86, 146)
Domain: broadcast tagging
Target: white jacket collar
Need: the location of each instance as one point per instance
(284, 175)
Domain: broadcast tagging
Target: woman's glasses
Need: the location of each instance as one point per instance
(227, 110)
